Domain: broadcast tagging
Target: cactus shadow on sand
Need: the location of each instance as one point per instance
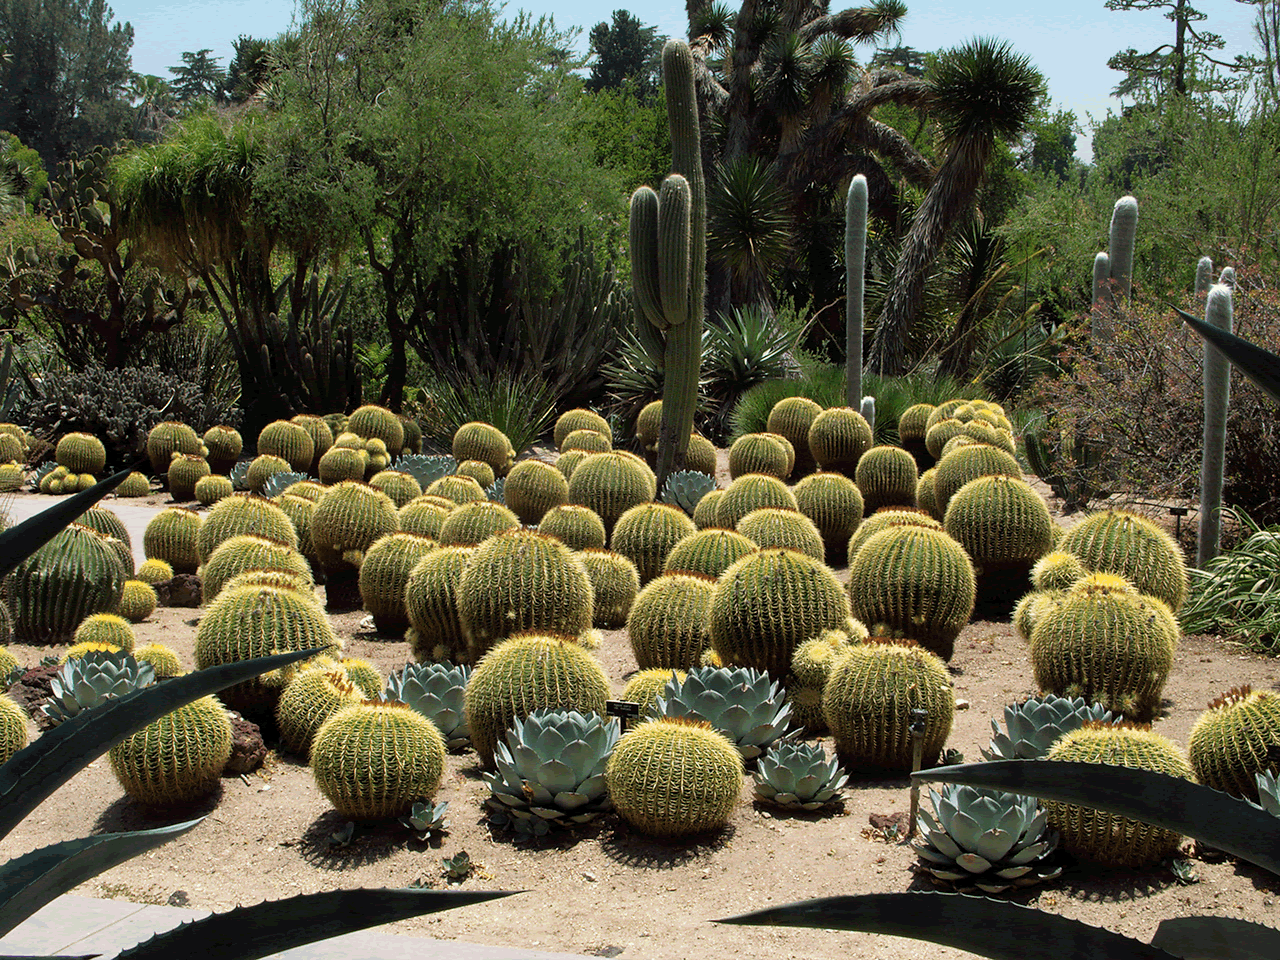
(369, 842)
(1093, 883)
(126, 813)
(631, 849)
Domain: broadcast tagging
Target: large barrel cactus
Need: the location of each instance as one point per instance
(522, 580)
(289, 441)
(1103, 837)
(528, 673)
(675, 777)
(1235, 739)
(752, 491)
(611, 484)
(771, 527)
(384, 575)
(838, 437)
(615, 582)
(248, 552)
(373, 422)
(1131, 546)
(667, 624)
(886, 477)
(646, 533)
(1103, 641)
(243, 513)
(913, 582)
(835, 505)
(770, 602)
(711, 551)
(486, 443)
(580, 419)
(577, 527)
(173, 535)
(74, 575)
(372, 760)
(869, 699)
(533, 488)
(177, 758)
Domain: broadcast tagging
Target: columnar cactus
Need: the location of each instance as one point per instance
(1217, 395)
(1124, 227)
(669, 257)
(855, 257)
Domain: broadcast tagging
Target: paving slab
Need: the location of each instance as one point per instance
(75, 925)
(135, 516)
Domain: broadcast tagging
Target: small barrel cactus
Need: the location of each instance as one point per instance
(309, 699)
(838, 437)
(760, 453)
(615, 582)
(577, 527)
(798, 776)
(384, 575)
(707, 513)
(401, 487)
(469, 524)
(580, 419)
(486, 443)
(610, 484)
(289, 442)
(711, 552)
(752, 491)
(591, 441)
(168, 438)
(431, 604)
(1237, 737)
(224, 445)
(551, 771)
(969, 463)
(212, 488)
(457, 488)
(771, 527)
(105, 628)
(674, 777)
(239, 514)
(13, 729)
(374, 422)
(173, 535)
(835, 505)
(372, 760)
(342, 463)
(438, 692)
(533, 488)
(248, 552)
(886, 477)
(137, 601)
(423, 516)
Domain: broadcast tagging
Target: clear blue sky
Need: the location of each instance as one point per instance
(1069, 41)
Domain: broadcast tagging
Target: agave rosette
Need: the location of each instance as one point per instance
(986, 839)
(426, 468)
(798, 776)
(551, 770)
(91, 680)
(741, 702)
(1268, 792)
(686, 487)
(239, 475)
(278, 483)
(438, 692)
(427, 819)
(1031, 727)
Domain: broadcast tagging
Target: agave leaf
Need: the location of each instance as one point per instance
(1215, 818)
(1259, 365)
(1217, 938)
(247, 933)
(36, 878)
(19, 542)
(988, 928)
(36, 771)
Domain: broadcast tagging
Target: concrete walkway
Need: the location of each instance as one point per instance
(135, 516)
(77, 926)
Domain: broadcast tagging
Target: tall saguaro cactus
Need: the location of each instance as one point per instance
(1124, 231)
(669, 258)
(1204, 277)
(1217, 395)
(855, 258)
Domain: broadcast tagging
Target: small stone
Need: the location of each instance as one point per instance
(590, 877)
(183, 590)
(962, 704)
(247, 748)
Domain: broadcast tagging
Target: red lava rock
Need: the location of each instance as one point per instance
(183, 590)
(33, 690)
(247, 747)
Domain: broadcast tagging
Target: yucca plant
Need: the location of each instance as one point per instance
(29, 882)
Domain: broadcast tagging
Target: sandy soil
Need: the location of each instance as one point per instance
(605, 891)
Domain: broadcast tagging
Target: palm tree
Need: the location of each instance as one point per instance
(981, 92)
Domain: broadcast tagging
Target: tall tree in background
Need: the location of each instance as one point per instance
(625, 51)
(1170, 66)
(199, 76)
(1266, 30)
(982, 92)
(251, 66)
(63, 84)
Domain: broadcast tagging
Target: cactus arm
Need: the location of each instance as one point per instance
(855, 257)
(1217, 395)
(673, 248)
(1124, 229)
(644, 256)
(1228, 277)
(1102, 302)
